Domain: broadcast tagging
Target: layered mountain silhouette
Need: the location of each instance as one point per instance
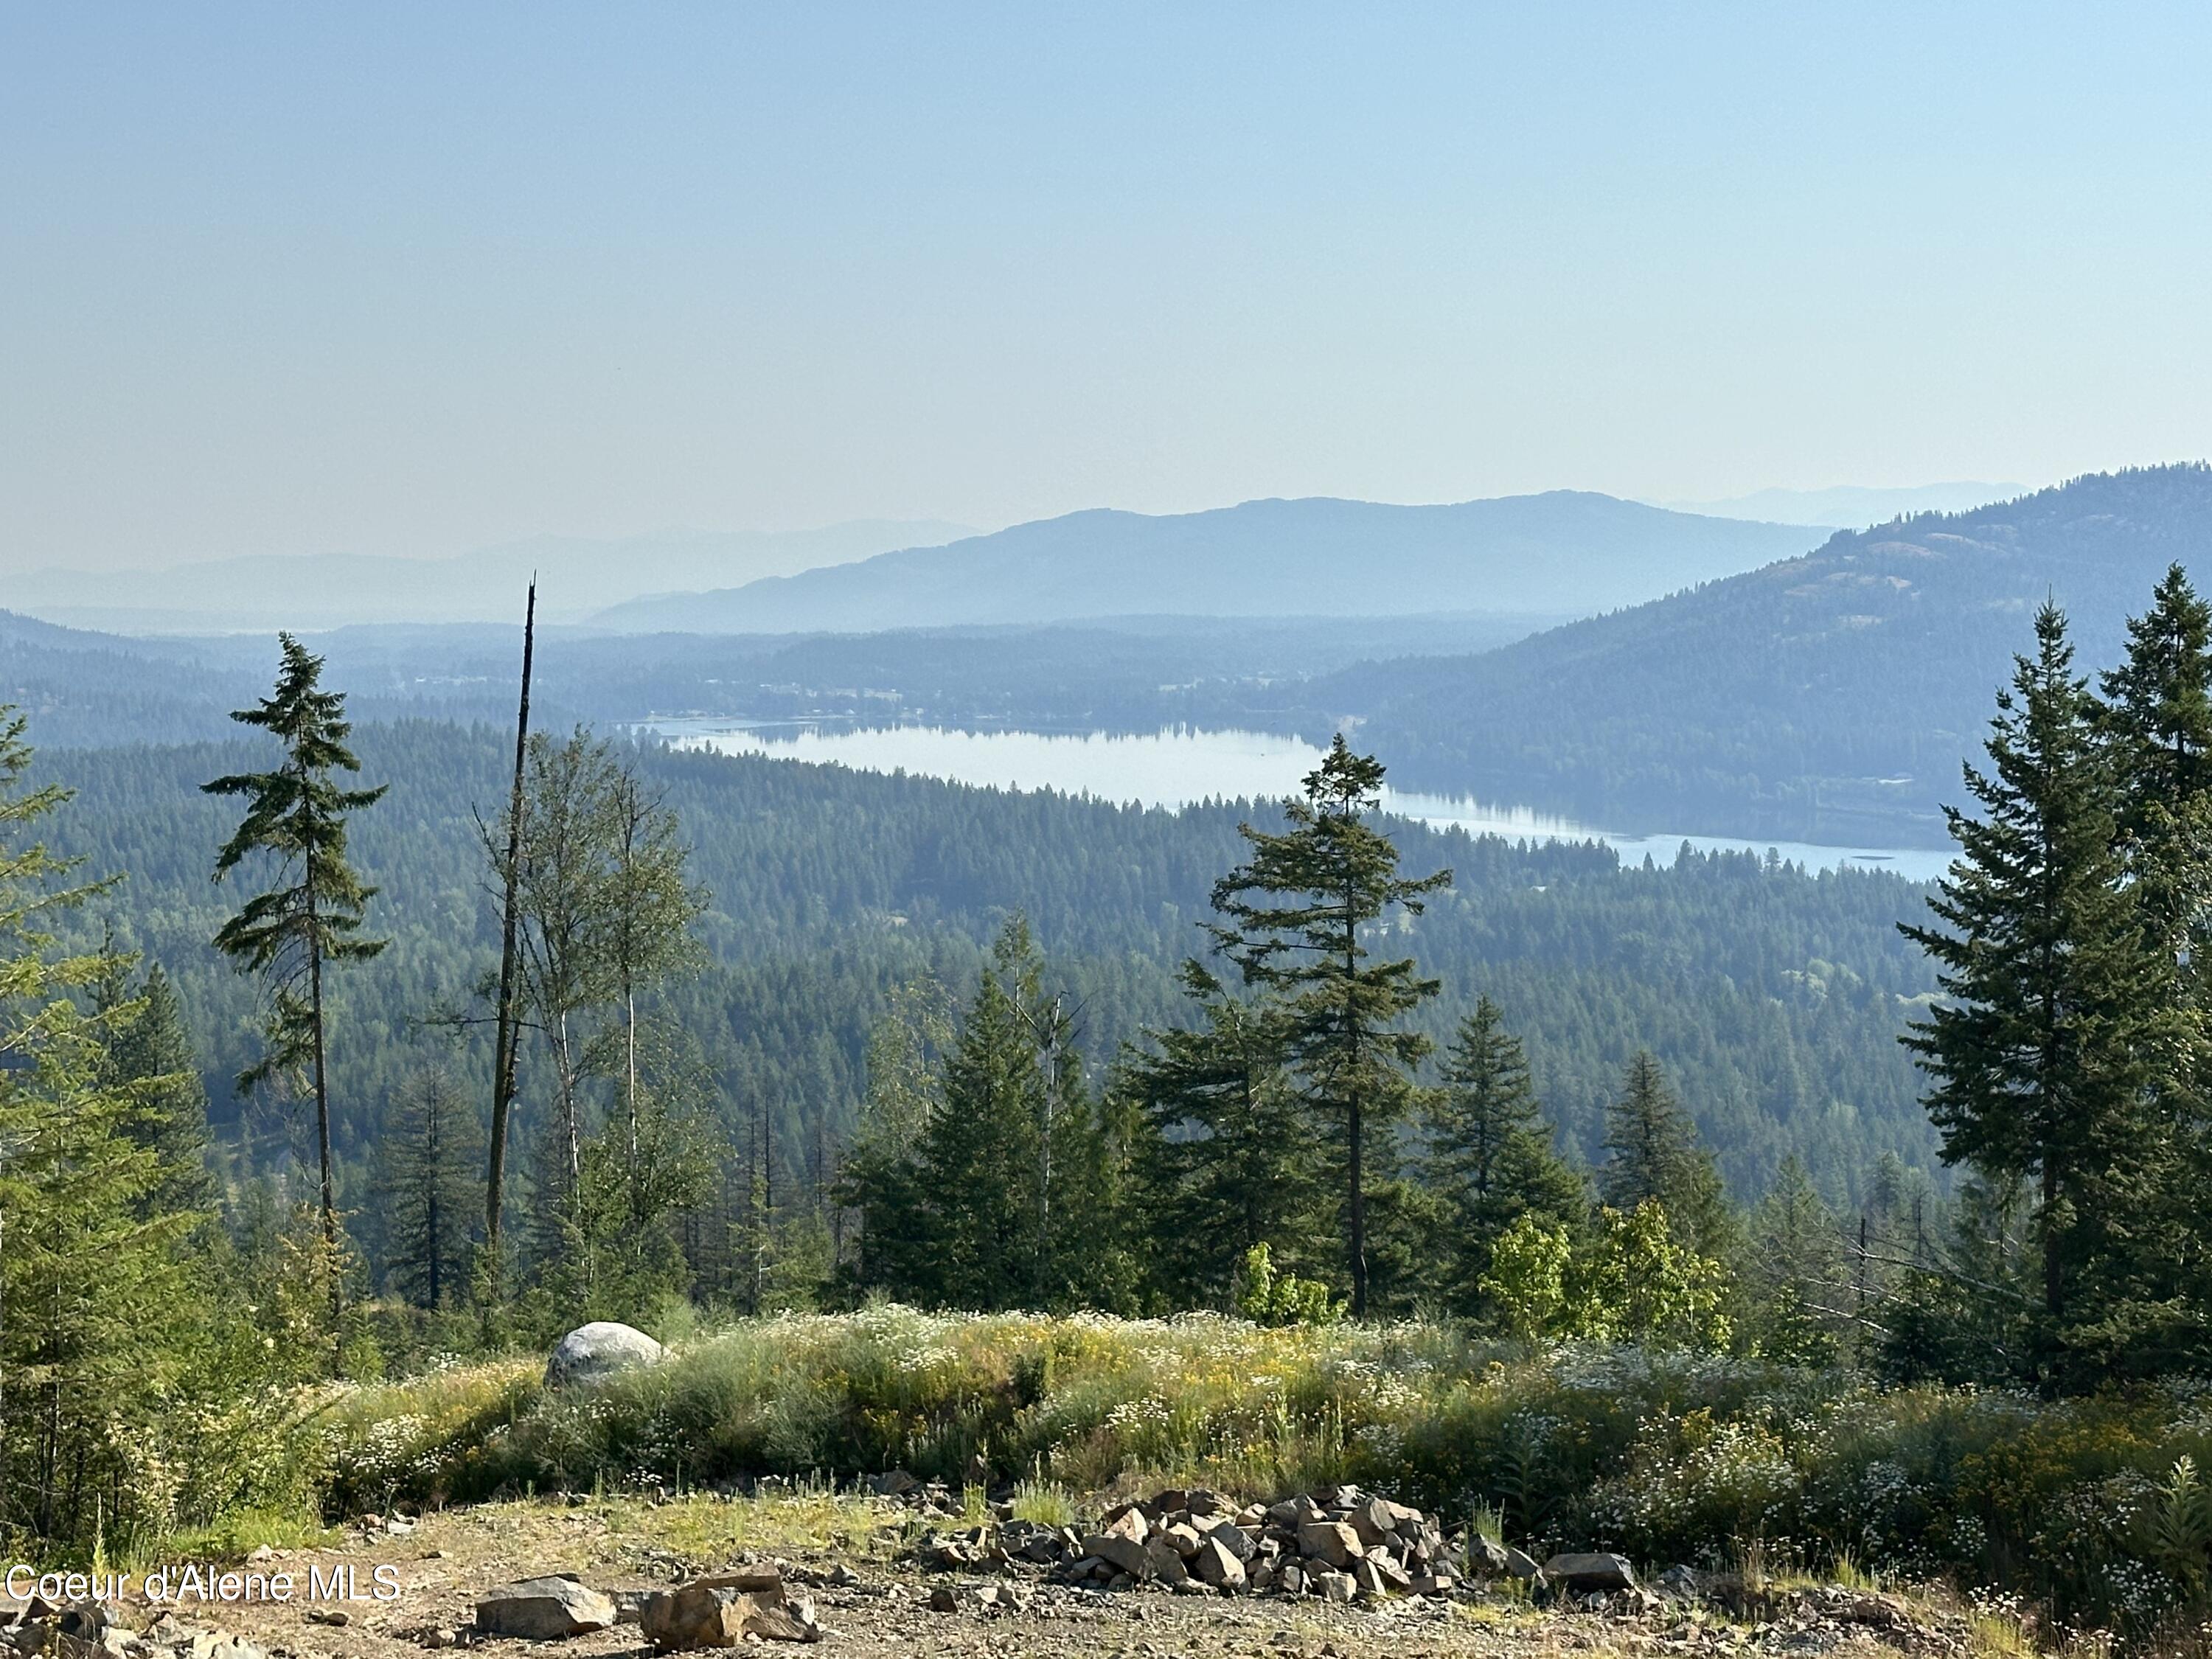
(1567, 552)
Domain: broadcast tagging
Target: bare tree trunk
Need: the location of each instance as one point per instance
(323, 1111)
(630, 1043)
(1354, 1127)
(504, 1045)
(434, 1148)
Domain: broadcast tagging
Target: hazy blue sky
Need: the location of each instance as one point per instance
(413, 278)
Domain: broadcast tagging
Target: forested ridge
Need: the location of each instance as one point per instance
(1774, 996)
(338, 1049)
(1830, 698)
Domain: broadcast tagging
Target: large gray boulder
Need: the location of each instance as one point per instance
(544, 1610)
(592, 1354)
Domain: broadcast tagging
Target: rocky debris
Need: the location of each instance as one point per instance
(978, 1599)
(598, 1353)
(1199, 1542)
(1584, 1573)
(724, 1610)
(543, 1609)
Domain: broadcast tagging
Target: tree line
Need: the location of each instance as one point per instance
(1280, 1126)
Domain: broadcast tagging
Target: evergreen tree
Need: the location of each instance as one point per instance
(87, 1277)
(1967, 1311)
(297, 815)
(1009, 1193)
(430, 1151)
(980, 1157)
(1794, 1269)
(2157, 721)
(1296, 917)
(635, 1185)
(2158, 711)
(1081, 1178)
(1226, 1166)
(1657, 1159)
(1489, 1150)
(148, 1044)
(2040, 1053)
(881, 1183)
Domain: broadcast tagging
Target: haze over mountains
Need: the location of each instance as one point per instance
(1566, 552)
(1827, 698)
(579, 575)
(1828, 695)
(1851, 506)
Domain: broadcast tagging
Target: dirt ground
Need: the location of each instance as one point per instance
(849, 1555)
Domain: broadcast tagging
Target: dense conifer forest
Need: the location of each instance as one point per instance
(787, 1038)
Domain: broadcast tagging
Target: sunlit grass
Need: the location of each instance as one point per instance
(1045, 1502)
(1794, 1475)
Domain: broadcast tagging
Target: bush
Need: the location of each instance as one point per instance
(1664, 1454)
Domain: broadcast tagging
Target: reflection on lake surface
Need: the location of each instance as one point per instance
(1178, 767)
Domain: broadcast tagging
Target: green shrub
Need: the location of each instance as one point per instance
(1667, 1454)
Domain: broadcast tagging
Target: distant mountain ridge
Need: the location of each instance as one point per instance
(1829, 697)
(578, 575)
(1566, 552)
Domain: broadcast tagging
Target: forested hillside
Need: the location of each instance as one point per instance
(1830, 698)
(1132, 673)
(1773, 997)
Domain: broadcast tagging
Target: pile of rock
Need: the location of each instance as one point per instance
(1340, 1543)
(94, 1629)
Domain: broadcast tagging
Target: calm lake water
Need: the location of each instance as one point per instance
(1176, 768)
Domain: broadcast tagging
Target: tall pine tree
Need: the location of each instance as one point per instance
(2040, 1053)
(2157, 721)
(1297, 918)
(286, 934)
(149, 1044)
(89, 1280)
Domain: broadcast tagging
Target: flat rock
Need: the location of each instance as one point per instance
(544, 1610)
(1119, 1551)
(1585, 1572)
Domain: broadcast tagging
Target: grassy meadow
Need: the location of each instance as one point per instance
(2089, 1505)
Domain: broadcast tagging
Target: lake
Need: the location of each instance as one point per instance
(1176, 767)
